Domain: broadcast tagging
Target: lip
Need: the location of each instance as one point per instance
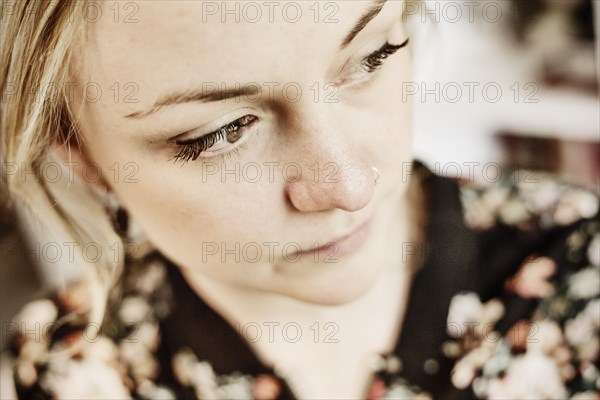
(342, 246)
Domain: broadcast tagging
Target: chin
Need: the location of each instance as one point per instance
(342, 286)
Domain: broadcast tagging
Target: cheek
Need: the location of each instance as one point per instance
(212, 210)
(399, 115)
(389, 126)
(180, 207)
(183, 221)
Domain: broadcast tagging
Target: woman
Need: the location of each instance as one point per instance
(254, 162)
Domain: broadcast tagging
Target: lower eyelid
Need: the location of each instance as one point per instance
(360, 77)
(229, 153)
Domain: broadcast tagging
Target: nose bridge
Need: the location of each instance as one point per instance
(318, 134)
(333, 171)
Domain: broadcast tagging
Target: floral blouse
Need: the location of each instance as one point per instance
(505, 304)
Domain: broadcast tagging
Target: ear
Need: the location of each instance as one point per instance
(79, 164)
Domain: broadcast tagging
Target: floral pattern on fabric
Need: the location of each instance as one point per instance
(553, 354)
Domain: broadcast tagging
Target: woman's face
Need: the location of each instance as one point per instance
(240, 135)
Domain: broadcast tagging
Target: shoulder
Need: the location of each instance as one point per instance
(529, 328)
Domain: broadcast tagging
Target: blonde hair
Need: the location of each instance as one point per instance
(40, 41)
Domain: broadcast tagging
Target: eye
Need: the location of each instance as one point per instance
(214, 143)
(375, 60)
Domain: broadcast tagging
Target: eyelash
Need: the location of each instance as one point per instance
(190, 150)
(374, 61)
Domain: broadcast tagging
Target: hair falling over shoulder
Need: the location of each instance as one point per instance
(42, 44)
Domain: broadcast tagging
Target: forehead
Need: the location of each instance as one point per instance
(207, 34)
(209, 37)
(172, 45)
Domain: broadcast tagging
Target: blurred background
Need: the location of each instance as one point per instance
(509, 82)
(528, 72)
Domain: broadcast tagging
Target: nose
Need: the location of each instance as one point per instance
(332, 172)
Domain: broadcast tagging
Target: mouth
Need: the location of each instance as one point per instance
(332, 250)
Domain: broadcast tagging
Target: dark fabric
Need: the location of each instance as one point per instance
(194, 324)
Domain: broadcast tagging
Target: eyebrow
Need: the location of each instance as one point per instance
(371, 13)
(200, 96)
(249, 90)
